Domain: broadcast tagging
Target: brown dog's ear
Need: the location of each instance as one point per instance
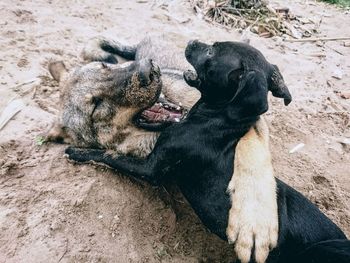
(251, 95)
(57, 70)
(278, 87)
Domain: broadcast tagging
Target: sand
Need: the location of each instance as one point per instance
(54, 211)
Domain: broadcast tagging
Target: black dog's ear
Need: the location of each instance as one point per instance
(278, 87)
(251, 95)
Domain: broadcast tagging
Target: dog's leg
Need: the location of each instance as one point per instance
(253, 217)
(138, 168)
(101, 49)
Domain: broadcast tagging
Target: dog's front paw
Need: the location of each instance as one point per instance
(252, 227)
(82, 155)
(253, 217)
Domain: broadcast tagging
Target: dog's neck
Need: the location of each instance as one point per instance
(233, 119)
(232, 112)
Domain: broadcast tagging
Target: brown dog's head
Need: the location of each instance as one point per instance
(97, 98)
(234, 73)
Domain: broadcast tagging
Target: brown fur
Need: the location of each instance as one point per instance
(256, 208)
(122, 96)
(252, 218)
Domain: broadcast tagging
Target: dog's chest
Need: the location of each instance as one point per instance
(204, 184)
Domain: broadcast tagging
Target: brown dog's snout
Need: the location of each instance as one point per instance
(145, 72)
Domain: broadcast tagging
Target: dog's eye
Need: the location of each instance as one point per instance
(210, 72)
(97, 101)
(209, 52)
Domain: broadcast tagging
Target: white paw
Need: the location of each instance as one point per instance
(251, 226)
(253, 217)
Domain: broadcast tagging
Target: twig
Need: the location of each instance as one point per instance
(340, 53)
(34, 92)
(65, 251)
(318, 55)
(24, 83)
(10, 111)
(318, 39)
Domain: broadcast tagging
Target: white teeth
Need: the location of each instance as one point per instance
(178, 108)
(180, 104)
(88, 97)
(177, 120)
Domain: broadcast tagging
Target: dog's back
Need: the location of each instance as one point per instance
(301, 226)
(330, 251)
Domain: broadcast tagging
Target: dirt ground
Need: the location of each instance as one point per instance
(54, 211)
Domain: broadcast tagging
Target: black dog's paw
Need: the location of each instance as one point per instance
(82, 155)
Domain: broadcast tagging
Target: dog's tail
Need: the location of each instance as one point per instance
(102, 49)
(330, 251)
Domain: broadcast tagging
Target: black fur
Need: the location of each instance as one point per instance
(198, 153)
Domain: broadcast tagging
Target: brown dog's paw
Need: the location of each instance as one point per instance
(253, 217)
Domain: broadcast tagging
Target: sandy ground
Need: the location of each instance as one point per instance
(55, 211)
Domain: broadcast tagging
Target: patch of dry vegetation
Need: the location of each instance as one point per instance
(257, 16)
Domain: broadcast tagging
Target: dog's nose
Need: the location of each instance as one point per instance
(148, 72)
(192, 43)
(145, 71)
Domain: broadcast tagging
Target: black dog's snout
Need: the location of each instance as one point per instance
(193, 43)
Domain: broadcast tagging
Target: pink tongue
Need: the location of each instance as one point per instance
(158, 113)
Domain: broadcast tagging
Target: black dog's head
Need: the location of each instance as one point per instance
(234, 73)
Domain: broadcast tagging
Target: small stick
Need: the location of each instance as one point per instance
(318, 39)
(319, 55)
(24, 83)
(10, 111)
(34, 92)
(65, 251)
(340, 53)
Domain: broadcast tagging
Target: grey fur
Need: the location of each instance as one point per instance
(113, 128)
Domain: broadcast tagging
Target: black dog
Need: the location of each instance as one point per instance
(233, 79)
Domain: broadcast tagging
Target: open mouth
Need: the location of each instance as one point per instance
(161, 114)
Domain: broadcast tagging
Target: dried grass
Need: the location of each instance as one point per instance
(255, 15)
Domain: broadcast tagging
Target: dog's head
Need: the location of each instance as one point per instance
(98, 97)
(234, 73)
